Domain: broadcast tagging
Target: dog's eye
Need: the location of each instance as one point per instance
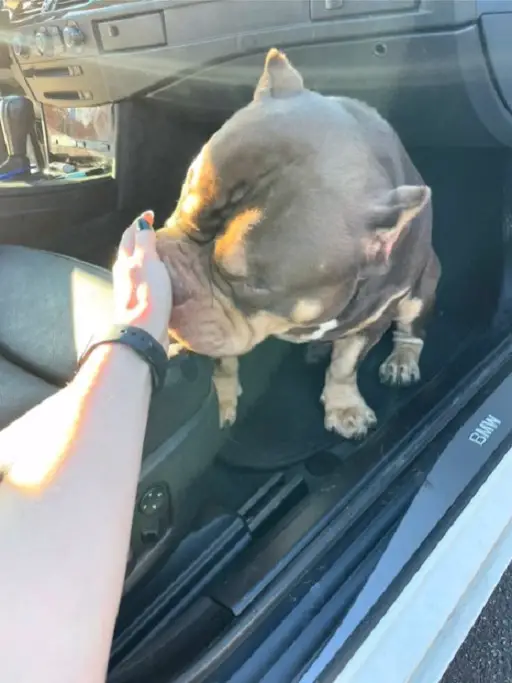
(238, 193)
(250, 289)
(252, 292)
(251, 296)
(258, 284)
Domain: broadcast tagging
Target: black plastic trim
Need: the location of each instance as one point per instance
(384, 603)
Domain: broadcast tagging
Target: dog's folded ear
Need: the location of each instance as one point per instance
(279, 78)
(388, 219)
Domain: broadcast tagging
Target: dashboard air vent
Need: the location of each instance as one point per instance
(30, 8)
(26, 9)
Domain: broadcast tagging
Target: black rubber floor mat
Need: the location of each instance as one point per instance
(286, 425)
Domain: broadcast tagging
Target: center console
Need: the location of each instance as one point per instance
(80, 141)
(61, 143)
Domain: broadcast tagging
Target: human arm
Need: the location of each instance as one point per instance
(66, 503)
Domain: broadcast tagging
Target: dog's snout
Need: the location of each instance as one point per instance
(180, 291)
(180, 259)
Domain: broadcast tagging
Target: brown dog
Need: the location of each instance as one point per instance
(303, 218)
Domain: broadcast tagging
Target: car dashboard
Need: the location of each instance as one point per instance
(71, 52)
(206, 54)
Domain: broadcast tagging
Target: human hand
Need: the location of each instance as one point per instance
(142, 286)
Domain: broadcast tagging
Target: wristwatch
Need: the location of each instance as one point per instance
(141, 342)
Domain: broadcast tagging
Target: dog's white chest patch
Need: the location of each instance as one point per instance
(322, 329)
(316, 335)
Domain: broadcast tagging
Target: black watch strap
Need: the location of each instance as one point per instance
(141, 342)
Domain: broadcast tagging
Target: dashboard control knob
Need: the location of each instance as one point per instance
(73, 36)
(43, 41)
(20, 46)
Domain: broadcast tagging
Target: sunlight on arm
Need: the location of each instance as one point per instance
(35, 447)
(36, 463)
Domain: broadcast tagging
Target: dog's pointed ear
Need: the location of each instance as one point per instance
(279, 77)
(389, 218)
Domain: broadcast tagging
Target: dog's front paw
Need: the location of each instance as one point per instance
(227, 413)
(350, 417)
(227, 386)
(401, 368)
(316, 352)
(228, 403)
(352, 422)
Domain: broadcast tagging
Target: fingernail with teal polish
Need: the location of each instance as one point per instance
(142, 224)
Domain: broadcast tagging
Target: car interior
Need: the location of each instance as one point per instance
(103, 106)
